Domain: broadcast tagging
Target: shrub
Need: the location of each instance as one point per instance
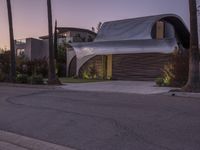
(61, 69)
(159, 81)
(75, 77)
(2, 77)
(85, 75)
(91, 72)
(37, 66)
(175, 73)
(4, 65)
(22, 78)
(37, 79)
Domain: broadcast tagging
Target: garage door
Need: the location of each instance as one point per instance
(139, 67)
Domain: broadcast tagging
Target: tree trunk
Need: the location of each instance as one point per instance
(56, 41)
(193, 84)
(52, 73)
(12, 44)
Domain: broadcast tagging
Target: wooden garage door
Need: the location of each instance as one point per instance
(139, 67)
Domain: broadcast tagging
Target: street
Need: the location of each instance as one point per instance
(101, 121)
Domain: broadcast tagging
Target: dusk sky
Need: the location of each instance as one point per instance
(30, 18)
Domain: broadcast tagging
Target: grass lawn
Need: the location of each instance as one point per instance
(72, 80)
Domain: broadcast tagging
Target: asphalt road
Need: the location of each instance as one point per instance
(102, 121)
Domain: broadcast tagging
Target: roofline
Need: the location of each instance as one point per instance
(77, 29)
(174, 19)
(163, 15)
(70, 29)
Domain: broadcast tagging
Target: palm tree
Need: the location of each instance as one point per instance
(12, 44)
(56, 40)
(193, 83)
(52, 73)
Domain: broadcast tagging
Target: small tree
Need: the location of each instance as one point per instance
(99, 26)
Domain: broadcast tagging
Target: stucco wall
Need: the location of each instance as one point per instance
(38, 50)
(34, 48)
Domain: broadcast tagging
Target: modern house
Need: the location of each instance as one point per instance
(130, 49)
(38, 48)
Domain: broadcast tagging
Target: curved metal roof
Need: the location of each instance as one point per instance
(133, 36)
(140, 28)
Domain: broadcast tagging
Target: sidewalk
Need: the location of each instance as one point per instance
(126, 87)
(133, 87)
(10, 141)
(129, 87)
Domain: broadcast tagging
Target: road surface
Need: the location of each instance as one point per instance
(101, 121)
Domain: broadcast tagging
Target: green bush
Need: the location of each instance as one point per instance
(37, 79)
(91, 72)
(86, 75)
(159, 81)
(4, 65)
(22, 78)
(37, 66)
(175, 73)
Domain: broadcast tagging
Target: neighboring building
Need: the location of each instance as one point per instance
(73, 35)
(32, 48)
(131, 49)
(38, 48)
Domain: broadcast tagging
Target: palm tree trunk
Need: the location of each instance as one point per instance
(52, 73)
(56, 41)
(193, 83)
(12, 44)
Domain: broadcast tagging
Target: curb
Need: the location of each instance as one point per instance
(179, 94)
(185, 94)
(17, 142)
(30, 86)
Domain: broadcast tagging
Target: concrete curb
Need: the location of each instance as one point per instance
(185, 94)
(30, 86)
(11, 141)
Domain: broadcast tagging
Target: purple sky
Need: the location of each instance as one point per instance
(30, 20)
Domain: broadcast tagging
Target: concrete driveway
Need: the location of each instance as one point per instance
(134, 87)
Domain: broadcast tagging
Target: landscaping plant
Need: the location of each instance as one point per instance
(175, 73)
